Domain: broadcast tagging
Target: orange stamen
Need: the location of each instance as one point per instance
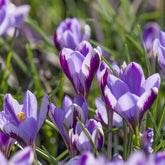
(21, 116)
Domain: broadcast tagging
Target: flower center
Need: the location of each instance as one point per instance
(21, 116)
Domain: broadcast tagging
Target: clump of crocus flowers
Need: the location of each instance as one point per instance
(126, 97)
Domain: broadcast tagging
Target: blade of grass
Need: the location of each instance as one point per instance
(49, 123)
(113, 130)
(4, 78)
(154, 124)
(127, 53)
(62, 155)
(39, 31)
(46, 156)
(16, 57)
(135, 44)
(110, 66)
(144, 50)
(157, 141)
(54, 161)
(129, 143)
(161, 119)
(37, 84)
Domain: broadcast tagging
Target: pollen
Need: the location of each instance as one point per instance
(89, 67)
(21, 116)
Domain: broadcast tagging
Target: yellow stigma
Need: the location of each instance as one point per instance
(89, 67)
(21, 116)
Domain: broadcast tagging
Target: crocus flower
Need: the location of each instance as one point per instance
(88, 158)
(138, 158)
(159, 158)
(131, 95)
(22, 122)
(25, 156)
(6, 144)
(146, 140)
(69, 34)
(80, 66)
(159, 49)
(150, 32)
(80, 139)
(101, 114)
(10, 15)
(66, 117)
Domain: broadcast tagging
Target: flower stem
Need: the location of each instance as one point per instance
(110, 120)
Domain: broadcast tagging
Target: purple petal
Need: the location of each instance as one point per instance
(16, 133)
(64, 56)
(117, 120)
(67, 102)
(101, 112)
(116, 86)
(68, 39)
(109, 98)
(102, 80)
(76, 30)
(30, 105)
(160, 50)
(70, 117)
(127, 108)
(83, 143)
(146, 100)
(75, 62)
(71, 64)
(25, 156)
(156, 44)
(3, 159)
(150, 32)
(137, 158)
(6, 144)
(84, 48)
(12, 108)
(79, 100)
(87, 33)
(98, 138)
(29, 127)
(162, 38)
(133, 76)
(57, 116)
(43, 111)
(150, 82)
(89, 69)
(96, 131)
(4, 119)
(159, 158)
(146, 141)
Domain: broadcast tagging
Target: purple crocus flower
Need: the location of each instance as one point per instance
(146, 140)
(22, 122)
(138, 158)
(80, 66)
(25, 156)
(6, 144)
(88, 158)
(66, 117)
(10, 15)
(80, 139)
(159, 158)
(131, 95)
(159, 49)
(150, 32)
(101, 114)
(69, 34)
